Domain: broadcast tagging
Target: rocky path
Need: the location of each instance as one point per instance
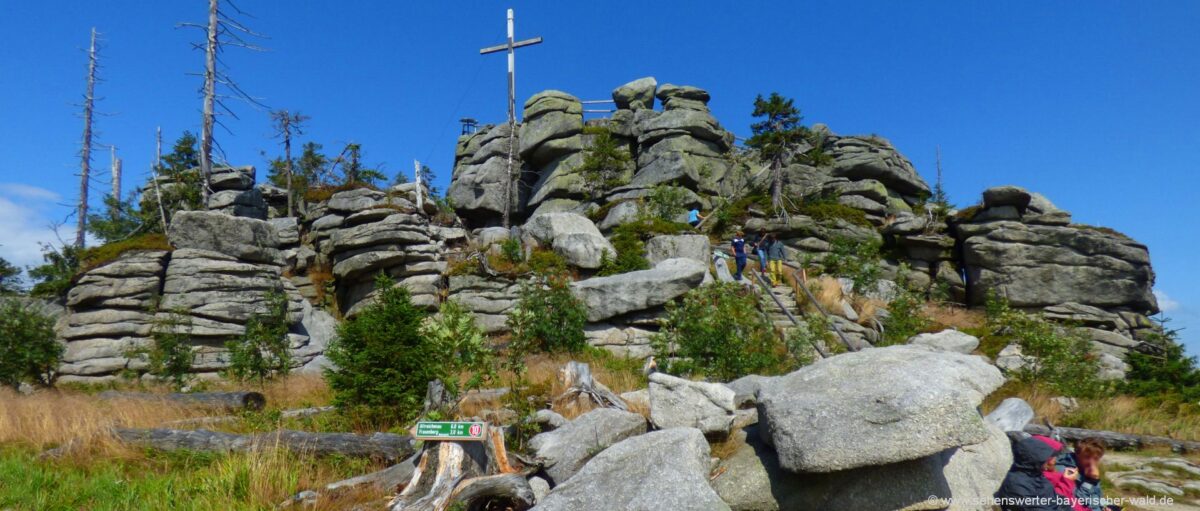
(1161, 476)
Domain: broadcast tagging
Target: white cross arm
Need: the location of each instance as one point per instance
(503, 47)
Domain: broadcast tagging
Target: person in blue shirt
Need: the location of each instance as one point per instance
(738, 248)
(694, 217)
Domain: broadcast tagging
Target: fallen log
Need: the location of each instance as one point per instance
(286, 414)
(385, 446)
(388, 479)
(228, 401)
(1115, 440)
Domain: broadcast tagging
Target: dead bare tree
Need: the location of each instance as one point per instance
(85, 153)
(287, 124)
(154, 169)
(116, 173)
(221, 31)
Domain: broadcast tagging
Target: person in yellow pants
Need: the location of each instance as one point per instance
(775, 254)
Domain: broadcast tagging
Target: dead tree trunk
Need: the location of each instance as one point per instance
(85, 153)
(474, 474)
(1116, 440)
(229, 401)
(162, 212)
(210, 93)
(116, 174)
(577, 377)
(287, 162)
(385, 446)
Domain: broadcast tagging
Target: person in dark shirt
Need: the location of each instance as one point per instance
(738, 248)
(1026, 487)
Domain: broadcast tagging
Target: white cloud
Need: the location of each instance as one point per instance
(28, 192)
(26, 217)
(1165, 302)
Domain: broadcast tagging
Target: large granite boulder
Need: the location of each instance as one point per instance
(572, 236)
(836, 415)
(245, 203)
(1012, 414)
(566, 449)
(875, 158)
(636, 95)
(232, 178)
(552, 124)
(614, 295)
(689, 246)
(676, 402)
(243, 238)
(665, 469)
(480, 173)
(1043, 265)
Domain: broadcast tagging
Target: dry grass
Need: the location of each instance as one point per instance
(297, 391)
(1124, 414)
(952, 316)
(52, 418)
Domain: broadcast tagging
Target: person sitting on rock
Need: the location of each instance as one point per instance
(1063, 480)
(1084, 464)
(1026, 487)
(738, 248)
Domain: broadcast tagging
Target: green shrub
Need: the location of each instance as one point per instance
(546, 262)
(453, 329)
(858, 261)
(262, 351)
(604, 162)
(719, 331)
(511, 249)
(169, 355)
(829, 210)
(547, 317)
(1063, 355)
(1172, 375)
(54, 278)
(666, 202)
(905, 318)
(28, 351)
(383, 364)
(630, 254)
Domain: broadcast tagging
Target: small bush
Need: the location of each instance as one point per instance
(1174, 375)
(546, 262)
(323, 193)
(28, 351)
(858, 261)
(547, 318)
(906, 318)
(718, 330)
(604, 162)
(829, 210)
(170, 355)
(630, 254)
(1063, 356)
(262, 351)
(383, 363)
(54, 278)
(666, 202)
(511, 249)
(453, 329)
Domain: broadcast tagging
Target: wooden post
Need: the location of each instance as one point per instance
(85, 153)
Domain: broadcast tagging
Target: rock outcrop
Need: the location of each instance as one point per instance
(606, 297)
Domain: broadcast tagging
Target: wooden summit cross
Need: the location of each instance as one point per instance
(510, 47)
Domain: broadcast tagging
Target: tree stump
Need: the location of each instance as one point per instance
(475, 474)
(583, 390)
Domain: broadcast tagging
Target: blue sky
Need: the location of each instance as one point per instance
(1093, 104)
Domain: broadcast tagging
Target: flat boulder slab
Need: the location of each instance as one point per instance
(1011, 415)
(875, 407)
(751, 480)
(247, 239)
(666, 469)
(606, 297)
(566, 449)
(947, 340)
(676, 402)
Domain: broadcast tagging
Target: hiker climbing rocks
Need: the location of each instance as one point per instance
(738, 248)
(760, 249)
(775, 255)
(694, 217)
